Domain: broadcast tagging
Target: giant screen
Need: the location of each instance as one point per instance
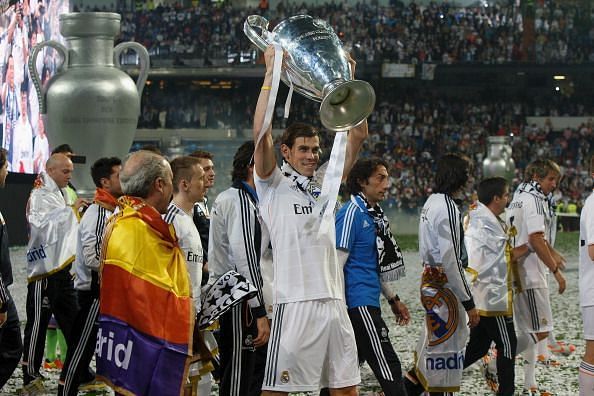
(22, 26)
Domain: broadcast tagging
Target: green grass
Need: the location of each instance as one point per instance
(408, 243)
(566, 243)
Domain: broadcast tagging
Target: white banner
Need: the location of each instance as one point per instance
(398, 70)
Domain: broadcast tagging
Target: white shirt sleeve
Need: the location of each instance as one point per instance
(448, 235)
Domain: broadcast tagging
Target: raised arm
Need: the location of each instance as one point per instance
(357, 136)
(264, 157)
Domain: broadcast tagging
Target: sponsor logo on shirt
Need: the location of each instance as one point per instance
(515, 205)
(302, 210)
(365, 224)
(192, 257)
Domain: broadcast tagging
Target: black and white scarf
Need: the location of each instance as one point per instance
(389, 255)
(533, 187)
(307, 184)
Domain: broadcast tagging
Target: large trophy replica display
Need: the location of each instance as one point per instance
(90, 103)
(499, 161)
(317, 67)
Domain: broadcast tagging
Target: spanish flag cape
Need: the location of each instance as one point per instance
(146, 317)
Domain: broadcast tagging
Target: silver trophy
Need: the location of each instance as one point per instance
(318, 68)
(499, 161)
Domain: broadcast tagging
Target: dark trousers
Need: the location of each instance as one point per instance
(375, 348)
(82, 345)
(499, 329)
(53, 294)
(242, 364)
(11, 343)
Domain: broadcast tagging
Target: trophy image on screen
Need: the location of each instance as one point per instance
(318, 68)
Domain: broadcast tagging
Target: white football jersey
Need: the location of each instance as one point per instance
(441, 243)
(586, 273)
(529, 213)
(88, 250)
(305, 265)
(189, 242)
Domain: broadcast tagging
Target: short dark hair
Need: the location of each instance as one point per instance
(490, 188)
(296, 130)
(361, 171)
(63, 148)
(103, 168)
(3, 156)
(182, 169)
(202, 154)
(243, 159)
(452, 173)
(540, 168)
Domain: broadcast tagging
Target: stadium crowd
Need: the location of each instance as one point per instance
(409, 131)
(412, 33)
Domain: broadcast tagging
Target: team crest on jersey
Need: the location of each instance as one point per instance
(441, 313)
(285, 377)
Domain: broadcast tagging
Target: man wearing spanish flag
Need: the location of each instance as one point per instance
(146, 314)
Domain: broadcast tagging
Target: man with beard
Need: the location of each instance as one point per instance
(312, 344)
(371, 258)
(443, 282)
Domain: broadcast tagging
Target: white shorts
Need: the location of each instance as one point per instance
(311, 346)
(588, 319)
(532, 311)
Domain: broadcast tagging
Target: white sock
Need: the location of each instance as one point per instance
(543, 348)
(551, 340)
(586, 379)
(529, 355)
(205, 384)
(524, 341)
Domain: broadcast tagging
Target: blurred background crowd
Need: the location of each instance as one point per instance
(409, 127)
(438, 32)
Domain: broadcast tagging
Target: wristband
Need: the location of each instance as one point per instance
(266, 88)
(394, 299)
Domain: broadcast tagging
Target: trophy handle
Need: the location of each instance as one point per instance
(257, 21)
(143, 56)
(35, 74)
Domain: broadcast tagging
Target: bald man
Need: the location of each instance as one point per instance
(51, 249)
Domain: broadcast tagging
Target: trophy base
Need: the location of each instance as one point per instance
(346, 104)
